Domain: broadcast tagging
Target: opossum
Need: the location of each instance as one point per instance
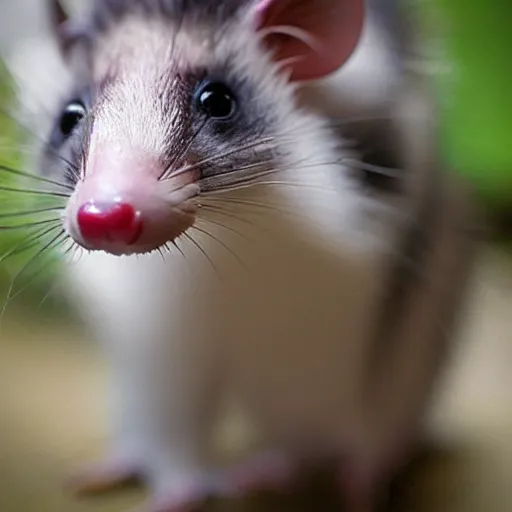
(238, 244)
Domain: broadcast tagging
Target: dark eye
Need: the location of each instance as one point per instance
(216, 100)
(72, 115)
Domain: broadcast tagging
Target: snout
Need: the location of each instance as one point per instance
(126, 209)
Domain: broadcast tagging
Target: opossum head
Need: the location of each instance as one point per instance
(174, 99)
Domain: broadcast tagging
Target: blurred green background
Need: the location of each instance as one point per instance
(21, 241)
(475, 92)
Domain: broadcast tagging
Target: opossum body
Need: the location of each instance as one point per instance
(182, 131)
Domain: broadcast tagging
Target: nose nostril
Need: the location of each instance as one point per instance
(112, 222)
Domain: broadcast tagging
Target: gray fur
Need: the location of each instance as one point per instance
(174, 87)
(107, 12)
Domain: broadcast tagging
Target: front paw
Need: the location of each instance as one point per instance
(185, 492)
(105, 475)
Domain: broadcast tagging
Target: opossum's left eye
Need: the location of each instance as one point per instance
(70, 117)
(216, 100)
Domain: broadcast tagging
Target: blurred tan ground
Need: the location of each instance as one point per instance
(52, 416)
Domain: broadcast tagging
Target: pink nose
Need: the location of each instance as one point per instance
(109, 222)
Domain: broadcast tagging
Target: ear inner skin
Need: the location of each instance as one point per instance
(332, 29)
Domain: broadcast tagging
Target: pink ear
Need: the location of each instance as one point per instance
(312, 38)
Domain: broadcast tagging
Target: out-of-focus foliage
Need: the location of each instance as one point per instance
(474, 91)
(9, 153)
(38, 271)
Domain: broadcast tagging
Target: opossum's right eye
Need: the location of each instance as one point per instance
(72, 115)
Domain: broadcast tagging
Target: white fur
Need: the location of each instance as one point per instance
(287, 334)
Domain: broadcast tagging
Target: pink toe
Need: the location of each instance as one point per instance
(273, 473)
